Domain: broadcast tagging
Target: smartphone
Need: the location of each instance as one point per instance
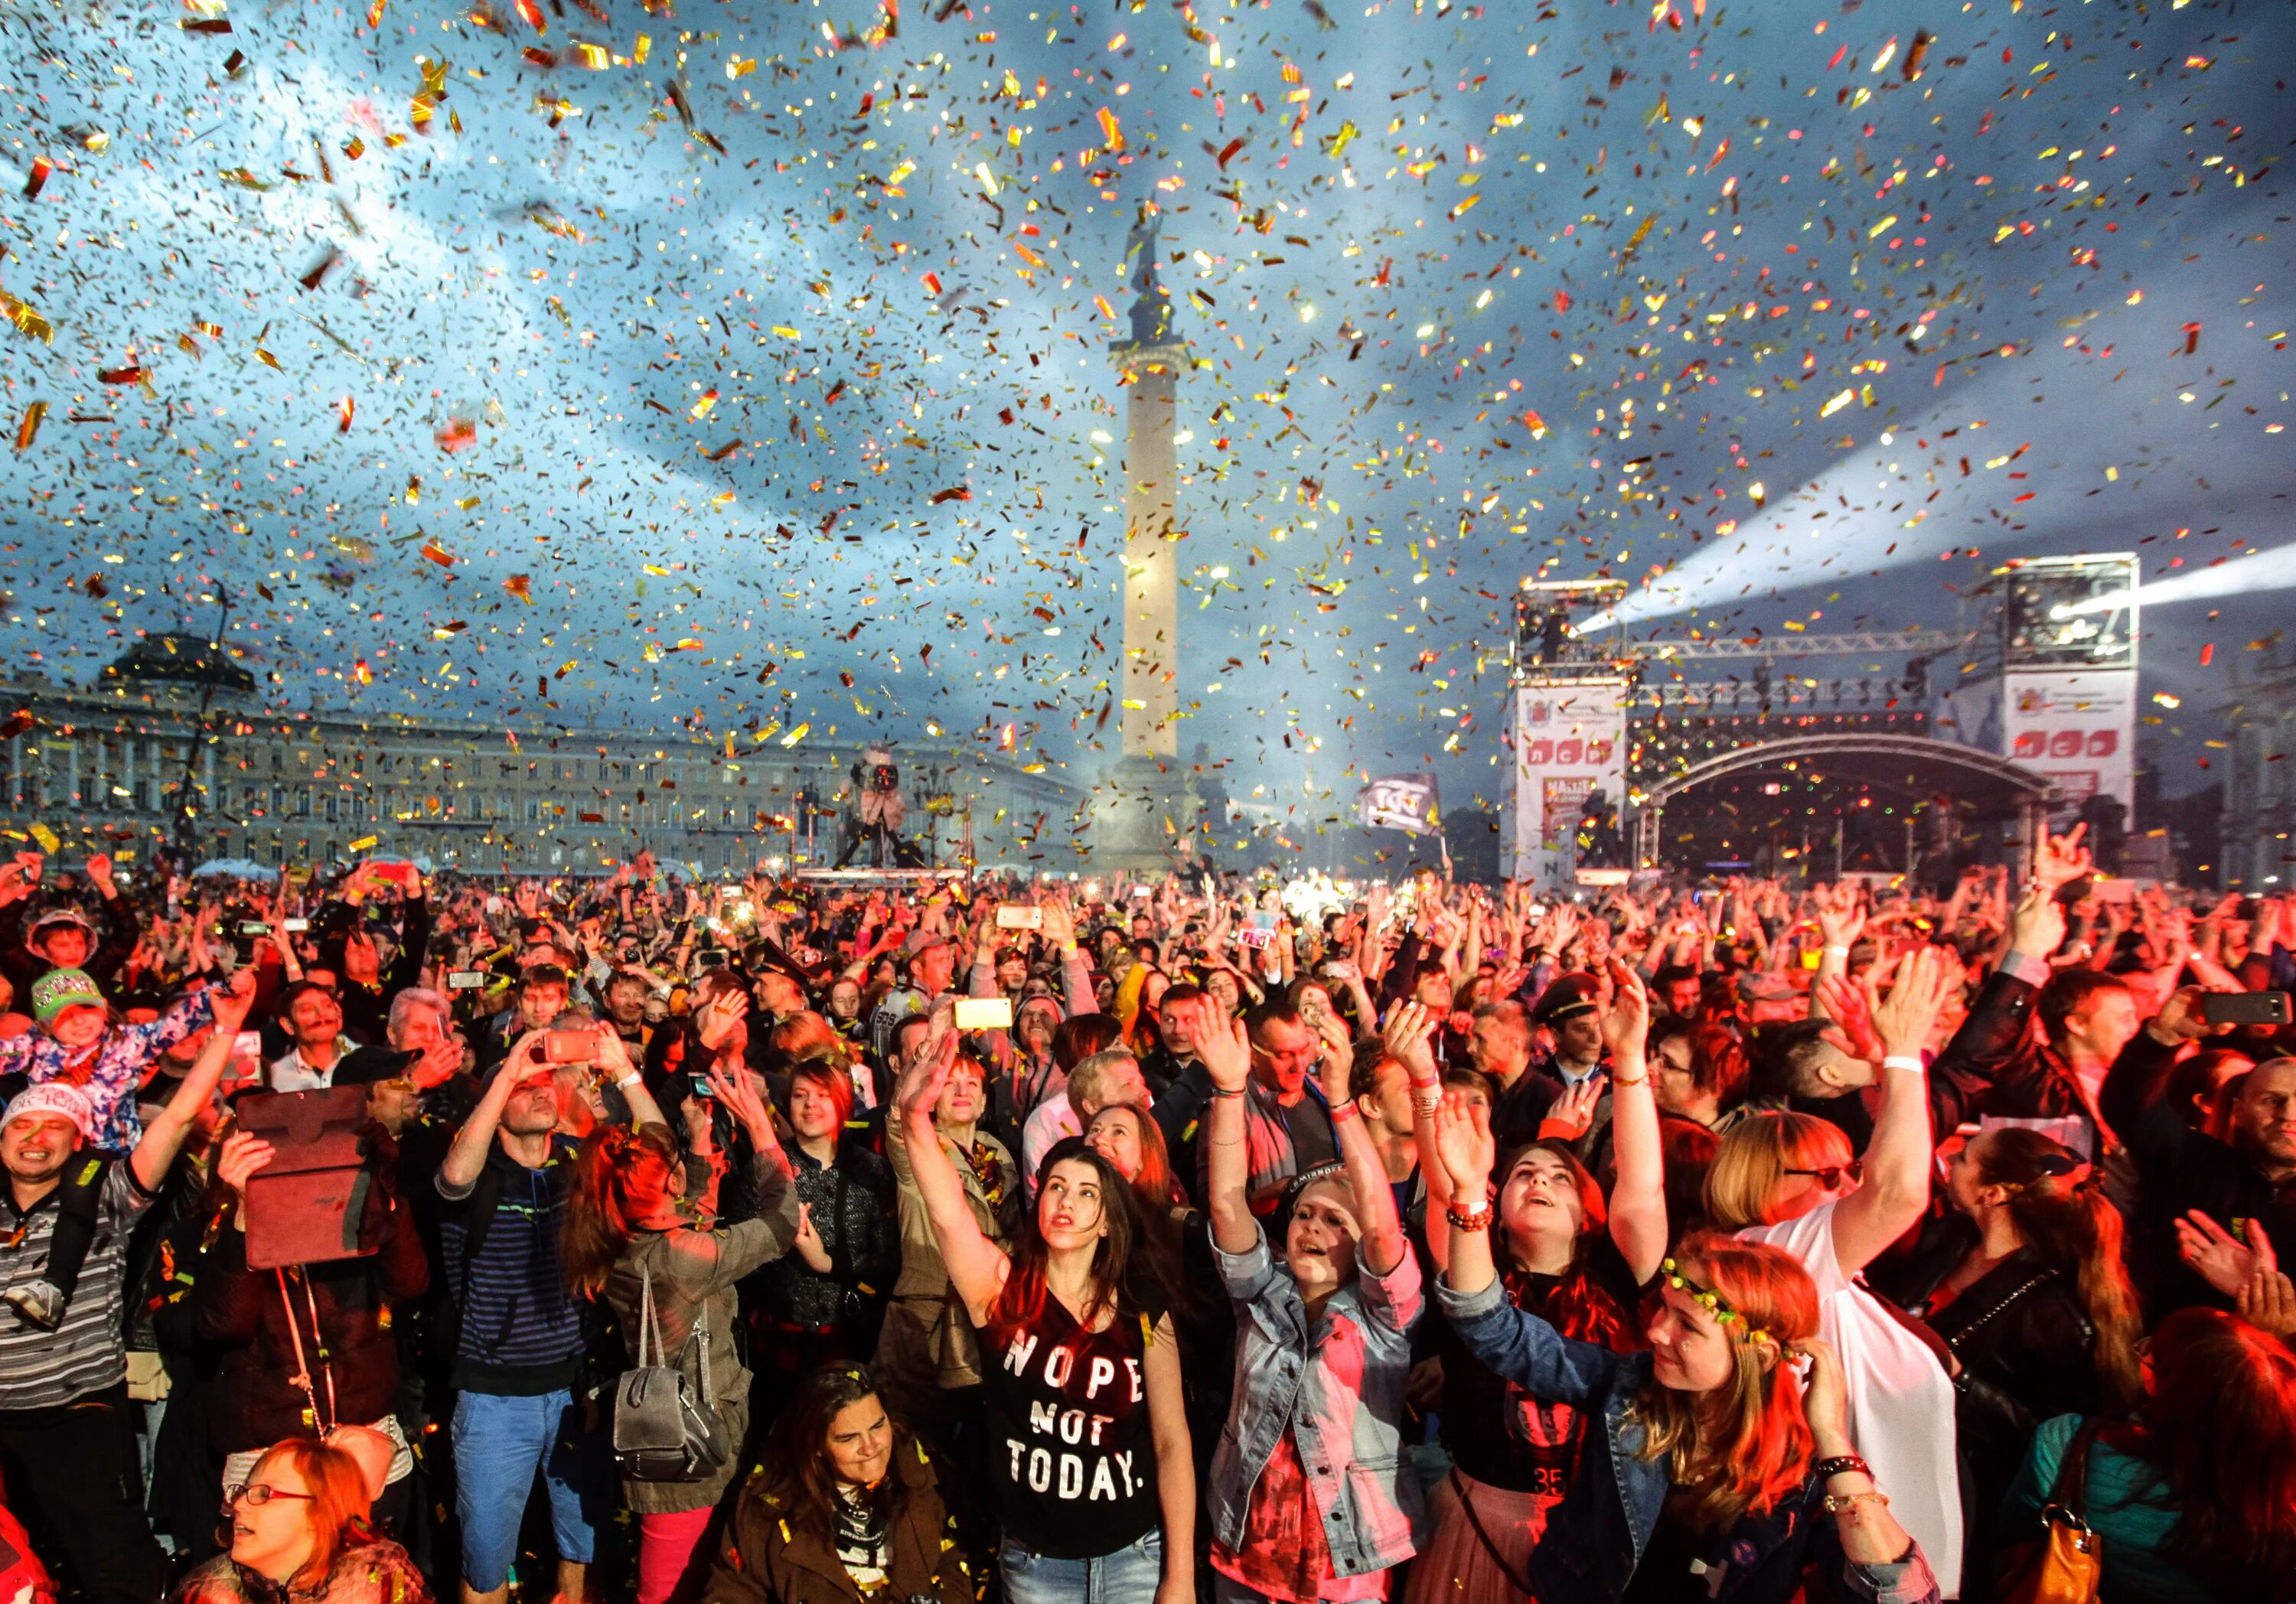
(248, 1044)
(1252, 937)
(710, 959)
(984, 1013)
(406, 876)
(1011, 917)
(577, 1046)
(466, 979)
(253, 927)
(294, 927)
(2114, 890)
(2245, 1008)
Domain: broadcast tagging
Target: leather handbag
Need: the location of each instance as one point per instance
(663, 1429)
(2065, 1565)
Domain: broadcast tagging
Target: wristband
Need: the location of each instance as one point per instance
(1832, 951)
(1343, 1112)
(1841, 1464)
(1228, 1091)
(1905, 1060)
(1477, 1219)
(631, 1079)
(1638, 1080)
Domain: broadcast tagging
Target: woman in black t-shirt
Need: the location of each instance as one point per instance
(1090, 1469)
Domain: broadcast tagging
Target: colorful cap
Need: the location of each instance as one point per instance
(62, 988)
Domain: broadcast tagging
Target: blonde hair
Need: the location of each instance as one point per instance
(1746, 1447)
(1749, 1167)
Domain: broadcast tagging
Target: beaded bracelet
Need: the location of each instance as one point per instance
(1836, 1502)
(1479, 1220)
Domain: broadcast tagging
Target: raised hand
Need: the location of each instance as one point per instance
(2220, 1258)
(1845, 1004)
(1841, 922)
(927, 1071)
(1572, 1115)
(717, 1017)
(2061, 859)
(1628, 1019)
(232, 1001)
(1405, 1035)
(1223, 1044)
(2038, 927)
(1463, 1146)
(1905, 1020)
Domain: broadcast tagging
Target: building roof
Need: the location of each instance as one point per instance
(180, 659)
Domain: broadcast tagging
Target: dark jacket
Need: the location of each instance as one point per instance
(765, 1558)
(257, 1400)
(2180, 1168)
(1596, 1537)
(117, 930)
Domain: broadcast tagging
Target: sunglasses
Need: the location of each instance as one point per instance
(259, 1493)
(1830, 1177)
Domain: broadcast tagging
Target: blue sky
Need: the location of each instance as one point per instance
(753, 376)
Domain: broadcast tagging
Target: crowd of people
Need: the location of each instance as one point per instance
(385, 1237)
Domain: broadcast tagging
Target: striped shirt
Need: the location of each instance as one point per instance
(39, 1370)
(521, 1328)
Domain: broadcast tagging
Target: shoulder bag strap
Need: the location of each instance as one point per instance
(646, 1321)
(2072, 1492)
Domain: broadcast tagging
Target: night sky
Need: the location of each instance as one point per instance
(744, 364)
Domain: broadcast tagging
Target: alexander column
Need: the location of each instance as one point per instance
(1143, 808)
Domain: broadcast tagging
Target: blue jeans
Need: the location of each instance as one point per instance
(1129, 1576)
(499, 1443)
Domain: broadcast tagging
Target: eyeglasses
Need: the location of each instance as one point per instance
(1830, 1177)
(259, 1493)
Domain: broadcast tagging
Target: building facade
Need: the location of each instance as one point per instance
(2259, 790)
(166, 742)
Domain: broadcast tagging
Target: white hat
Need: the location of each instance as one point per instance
(54, 1098)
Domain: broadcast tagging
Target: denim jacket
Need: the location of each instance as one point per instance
(1337, 1382)
(1597, 1537)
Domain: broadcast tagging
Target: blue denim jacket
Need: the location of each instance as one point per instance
(1594, 1541)
(1338, 1383)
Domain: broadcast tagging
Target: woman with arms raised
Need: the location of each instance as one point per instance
(1710, 1473)
(1087, 1436)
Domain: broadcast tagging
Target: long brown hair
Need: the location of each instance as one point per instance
(2071, 1227)
(339, 1509)
(622, 1174)
(1579, 1307)
(797, 1464)
(1113, 1261)
(2221, 1425)
(1744, 1448)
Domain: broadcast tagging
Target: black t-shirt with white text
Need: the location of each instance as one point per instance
(1071, 1457)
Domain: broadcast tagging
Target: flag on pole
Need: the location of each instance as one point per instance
(1404, 802)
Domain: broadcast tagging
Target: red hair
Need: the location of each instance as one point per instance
(1742, 1450)
(622, 1174)
(340, 1508)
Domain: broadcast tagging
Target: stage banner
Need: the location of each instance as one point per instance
(1569, 741)
(1404, 802)
(2077, 728)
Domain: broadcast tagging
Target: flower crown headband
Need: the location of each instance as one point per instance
(1713, 1303)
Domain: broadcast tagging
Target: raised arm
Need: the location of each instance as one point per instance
(466, 1156)
(163, 1138)
(1384, 1243)
(1638, 1192)
(977, 1269)
(1897, 1185)
(1227, 1053)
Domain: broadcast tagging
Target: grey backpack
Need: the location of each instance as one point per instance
(663, 1432)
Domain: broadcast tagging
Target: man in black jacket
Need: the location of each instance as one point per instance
(2251, 1177)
